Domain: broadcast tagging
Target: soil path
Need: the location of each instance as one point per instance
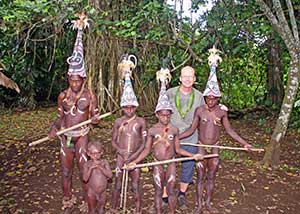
(30, 177)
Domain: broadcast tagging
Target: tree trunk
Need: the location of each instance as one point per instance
(275, 75)
(272, 155)
(288, 31)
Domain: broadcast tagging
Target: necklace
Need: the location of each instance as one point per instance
(178, 106)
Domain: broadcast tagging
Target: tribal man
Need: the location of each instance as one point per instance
(75, 105)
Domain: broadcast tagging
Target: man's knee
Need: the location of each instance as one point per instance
(67, 173)
(211, 175)
(135, 187)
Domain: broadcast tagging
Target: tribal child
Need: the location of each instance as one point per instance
(163, 140)
(208, 120)
(128, 138)
(96, 172)
(75, 104)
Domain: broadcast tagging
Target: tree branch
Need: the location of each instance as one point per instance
(293, 21)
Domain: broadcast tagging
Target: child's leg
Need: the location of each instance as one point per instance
(213, 165)
(201, 171)
(171, 183)
(158, 176)
(101, 199)
(135, 177)
(118, 184)
(81, 158)
(92, 201)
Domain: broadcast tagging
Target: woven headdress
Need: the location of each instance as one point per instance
(212, 86)
(125, 68)
(76, 61)
(164, 77)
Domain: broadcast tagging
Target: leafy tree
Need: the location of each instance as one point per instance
(284, 22)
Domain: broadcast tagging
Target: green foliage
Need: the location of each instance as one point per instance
(34, 47)
(229, 155)
(37, 39)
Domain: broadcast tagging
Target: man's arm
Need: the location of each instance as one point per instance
(144, 139)
(57, 124)
(183, 152)
(94, 111)
(192, 128)
(145, 152)
(114, 140)
(87, 170)
(232, 133)
(106, 169)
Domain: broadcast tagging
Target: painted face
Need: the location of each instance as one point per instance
(129, 111)
(75, 82)
(164, 116)
(211, 101)
(94, 152)
(187, 77)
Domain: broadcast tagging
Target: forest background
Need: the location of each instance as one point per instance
(259, 41)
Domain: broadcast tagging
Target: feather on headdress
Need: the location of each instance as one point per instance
(76, 61)
(125, 68)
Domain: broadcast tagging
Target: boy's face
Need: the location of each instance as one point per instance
(75, 83)
(129, 111)
(94, 152)
(211, 101)
(164, 116)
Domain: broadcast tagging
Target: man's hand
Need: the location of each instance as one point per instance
(130, 166)
(198, 157)
(124, 153)
(52, 132)
(95, 119)
(248, 146)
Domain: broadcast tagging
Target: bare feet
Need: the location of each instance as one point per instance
(114, 211)
(198, 210)
(68, 202)
(137, 212)
(84, 207)
(210, 209)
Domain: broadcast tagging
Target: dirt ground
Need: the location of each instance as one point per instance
(31, 181)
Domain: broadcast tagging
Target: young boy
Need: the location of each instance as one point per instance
(129, 137)
(209, 119)
(163, 138)
(96, 172)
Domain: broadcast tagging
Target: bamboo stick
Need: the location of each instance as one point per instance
(224, 147)
(172, 161)
(71, 128)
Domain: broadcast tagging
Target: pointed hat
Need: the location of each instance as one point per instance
(212, 86)
(125, 67)
(76, 60)
(163, 103)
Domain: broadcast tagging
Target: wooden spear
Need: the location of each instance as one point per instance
(223, 147)
(71, 128)
(170, 161)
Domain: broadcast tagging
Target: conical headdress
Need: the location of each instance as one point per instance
(212, 86)
(125, 67)
(163, 103)
(76, 60)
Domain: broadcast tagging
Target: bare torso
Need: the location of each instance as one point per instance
(75, 112)
(210, 123)
(97, 181)
(129, 133)
(163, 141)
